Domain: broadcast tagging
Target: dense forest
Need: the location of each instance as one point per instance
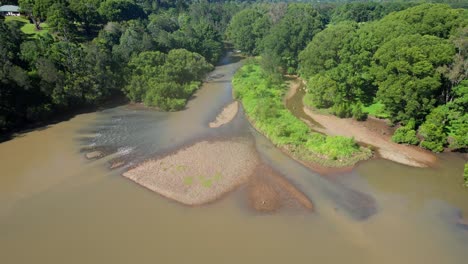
(400, 60)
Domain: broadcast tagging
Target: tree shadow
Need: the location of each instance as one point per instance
(21, 131)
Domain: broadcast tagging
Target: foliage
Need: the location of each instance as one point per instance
(120, 10)
(406, 134)
(366, 11)
(409, 65)
(433, 130)
(247, 28)
(165, 81)
(357, 112)
(291, 34)
(262, 102)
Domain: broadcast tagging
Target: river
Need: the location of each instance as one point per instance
(58, 207)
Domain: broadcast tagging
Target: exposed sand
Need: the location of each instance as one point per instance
(200, 173)
(226, 116)
(269, 191)
(371, 133)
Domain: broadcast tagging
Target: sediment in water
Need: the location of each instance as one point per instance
(199, 173)
(268, 192)
(226, 116)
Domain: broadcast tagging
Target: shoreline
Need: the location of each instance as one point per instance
(372, 132)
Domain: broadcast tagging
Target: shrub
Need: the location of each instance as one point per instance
(342, 110)
(357, 112)
(406, 134)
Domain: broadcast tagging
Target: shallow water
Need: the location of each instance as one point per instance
(58, 207)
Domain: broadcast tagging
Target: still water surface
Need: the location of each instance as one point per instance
(58, 207)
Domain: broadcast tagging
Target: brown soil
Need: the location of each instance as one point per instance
(269, 191)
(200, 173)
(226, 116)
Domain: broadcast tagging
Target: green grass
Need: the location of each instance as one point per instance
(29, 28)
(188, 180)
(263, 103)
(206, 182)
(376, 109)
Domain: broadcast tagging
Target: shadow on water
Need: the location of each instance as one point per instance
(131, 136)
(62, 116)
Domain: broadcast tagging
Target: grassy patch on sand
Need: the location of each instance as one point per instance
(376, 109)
(28, 28)
(263, 102)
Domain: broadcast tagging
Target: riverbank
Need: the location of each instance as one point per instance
(373, 132)
(263, 104)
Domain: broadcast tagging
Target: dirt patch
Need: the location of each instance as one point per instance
(374, 132)
(226, 116)
(269, 191)
(200, 173)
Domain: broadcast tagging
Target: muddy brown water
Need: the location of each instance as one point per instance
(58, 207)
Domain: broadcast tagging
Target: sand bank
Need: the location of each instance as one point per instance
(269, 191)
(200, 173)
(374, 132)
(226, 116)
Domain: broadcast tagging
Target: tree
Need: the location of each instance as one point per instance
(86, 13)
(165, 81)
(434, 131)
(247, 29)
(323, 52)
(120, 10)
(291, 35)
(407, 77)
(60, 22)
(36, 10)
(406, 134)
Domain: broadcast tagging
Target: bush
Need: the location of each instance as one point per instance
(406, 134)
(342, 110)
(357, 112)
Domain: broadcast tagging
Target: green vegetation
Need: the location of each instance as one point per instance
(165, 81)
(28, 28)
(401, 61)
(262, 101)
(188, 180)
(206, 182)
(406, 134)
(376, 109)
(409, 67)
(79, 53)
